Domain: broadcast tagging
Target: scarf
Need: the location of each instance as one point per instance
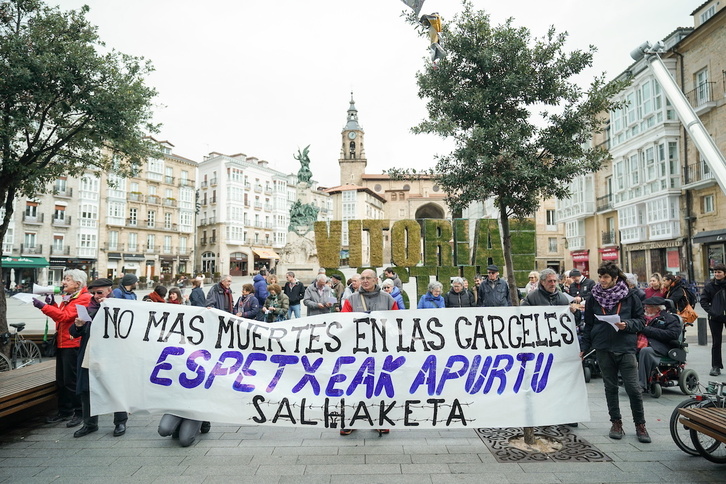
(609, 298)
(154, 297)
(228, 298)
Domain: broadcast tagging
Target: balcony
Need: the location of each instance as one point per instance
(154, 176)
(608, 238)
(153, 199)
(603, 204)
(134, 197)
(212, 240)
(212, 220)
(699, 175)
(258, 206)
(576, 243)
(203, 241)
(62, 222)
(169, 180)
(170, 202)
(247, 204)
(167, 250)
(204, 184)
(268, 190)
(183, 251)
(60, 250)
(213, 182)
(133, 248)
(37, 220)
(202, 221)
(32, 249)
(212, 200)
(152, 249)
(258, 188)
(183, 182)
(633, 235)
(667, 229)
(701, 98)
(63, 193)
(248, 186)
(113, 247)
(268, 207)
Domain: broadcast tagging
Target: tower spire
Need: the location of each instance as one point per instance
(352, 123)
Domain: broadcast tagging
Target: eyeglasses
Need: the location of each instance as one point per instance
(491, 272)
(98, 292)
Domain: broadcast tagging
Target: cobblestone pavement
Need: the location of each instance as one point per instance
(36, 453)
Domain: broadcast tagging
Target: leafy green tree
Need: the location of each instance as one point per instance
(68, 104)
(521, 125)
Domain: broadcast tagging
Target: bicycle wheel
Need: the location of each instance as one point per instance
(5, 364)
(680, 434)
(27, 353)
(708, 447)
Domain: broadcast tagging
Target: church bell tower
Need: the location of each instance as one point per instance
(352, 154)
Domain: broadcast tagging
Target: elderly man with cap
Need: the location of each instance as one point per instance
(125, 290)
(100, 289)
(661, 327)
(337, 288)
(494, 291)
(581, 286)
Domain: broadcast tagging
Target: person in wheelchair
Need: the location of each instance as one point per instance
(661, 330)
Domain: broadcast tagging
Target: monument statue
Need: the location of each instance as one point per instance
(302, 215)
(304, 174)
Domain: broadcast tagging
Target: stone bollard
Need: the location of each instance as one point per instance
(702, 332)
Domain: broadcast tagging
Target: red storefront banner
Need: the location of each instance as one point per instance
(609, 253)
(580, 255)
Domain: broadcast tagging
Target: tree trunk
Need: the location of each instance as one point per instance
(8, 198)
(528, 435)
(507, 249)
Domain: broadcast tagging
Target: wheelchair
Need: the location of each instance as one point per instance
(671, 371)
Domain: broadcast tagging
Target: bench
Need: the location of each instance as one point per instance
(710, 421)
(27, 387)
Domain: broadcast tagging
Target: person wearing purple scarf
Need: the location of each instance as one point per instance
(615, 344)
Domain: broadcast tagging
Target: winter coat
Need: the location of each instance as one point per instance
(295, 292)
(661, 331)
(247, 307)
(601, 335)
(313, 298)
(494, 296)
(463, 299)
(713, 300)
(216, 298)
(677, 294)
(429, 301)
(278, 306)
(541, 297)
(398, 297)
(121, 293)
(64, 314)
(582, 288)
(366, 301)
(260, 288)
(196, 298)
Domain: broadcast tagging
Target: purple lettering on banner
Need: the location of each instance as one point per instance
(336, 377)
(155, 378)
(220, 369)
(247, 371)
(539, 381)
(384, 379)
(426, 376)
(366, 376)
(309, 376)
(524, 358)
(447, 374)
(282, 361)
(196, 368)
(500, 373)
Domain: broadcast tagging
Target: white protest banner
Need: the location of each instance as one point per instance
(482, 367)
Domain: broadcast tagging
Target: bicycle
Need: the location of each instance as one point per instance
(687, 440)
(22, 353)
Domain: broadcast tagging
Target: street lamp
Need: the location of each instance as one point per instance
(685, 112)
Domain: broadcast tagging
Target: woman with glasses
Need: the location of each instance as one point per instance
(390, 287)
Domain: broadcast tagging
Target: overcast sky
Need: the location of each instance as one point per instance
(268, 76)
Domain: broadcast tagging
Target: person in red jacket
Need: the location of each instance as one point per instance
(66, 356)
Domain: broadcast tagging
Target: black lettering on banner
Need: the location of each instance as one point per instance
(256, 400)
(361, 413)
(274, 337)
(328, 346)
(541, 340)
(177, 328)
(407, 411)
(383, 412)
(298, 330)
(380, 330)
(314, 337)
(116, 320)
(284, 405)
(332, 417)
(400, 346)
(437, 324)
(303, 406)
(497, 332)
(360, 335)
(456, 413)
(417, 335)
(568, 337)
(457, 331)
(435, 402)
(193, 320)
(517, 322)
(552, 330)
(153, 322)
(224, 328)
(480, 333)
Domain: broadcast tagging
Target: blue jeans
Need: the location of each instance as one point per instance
(610, 363)
(293, 309)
